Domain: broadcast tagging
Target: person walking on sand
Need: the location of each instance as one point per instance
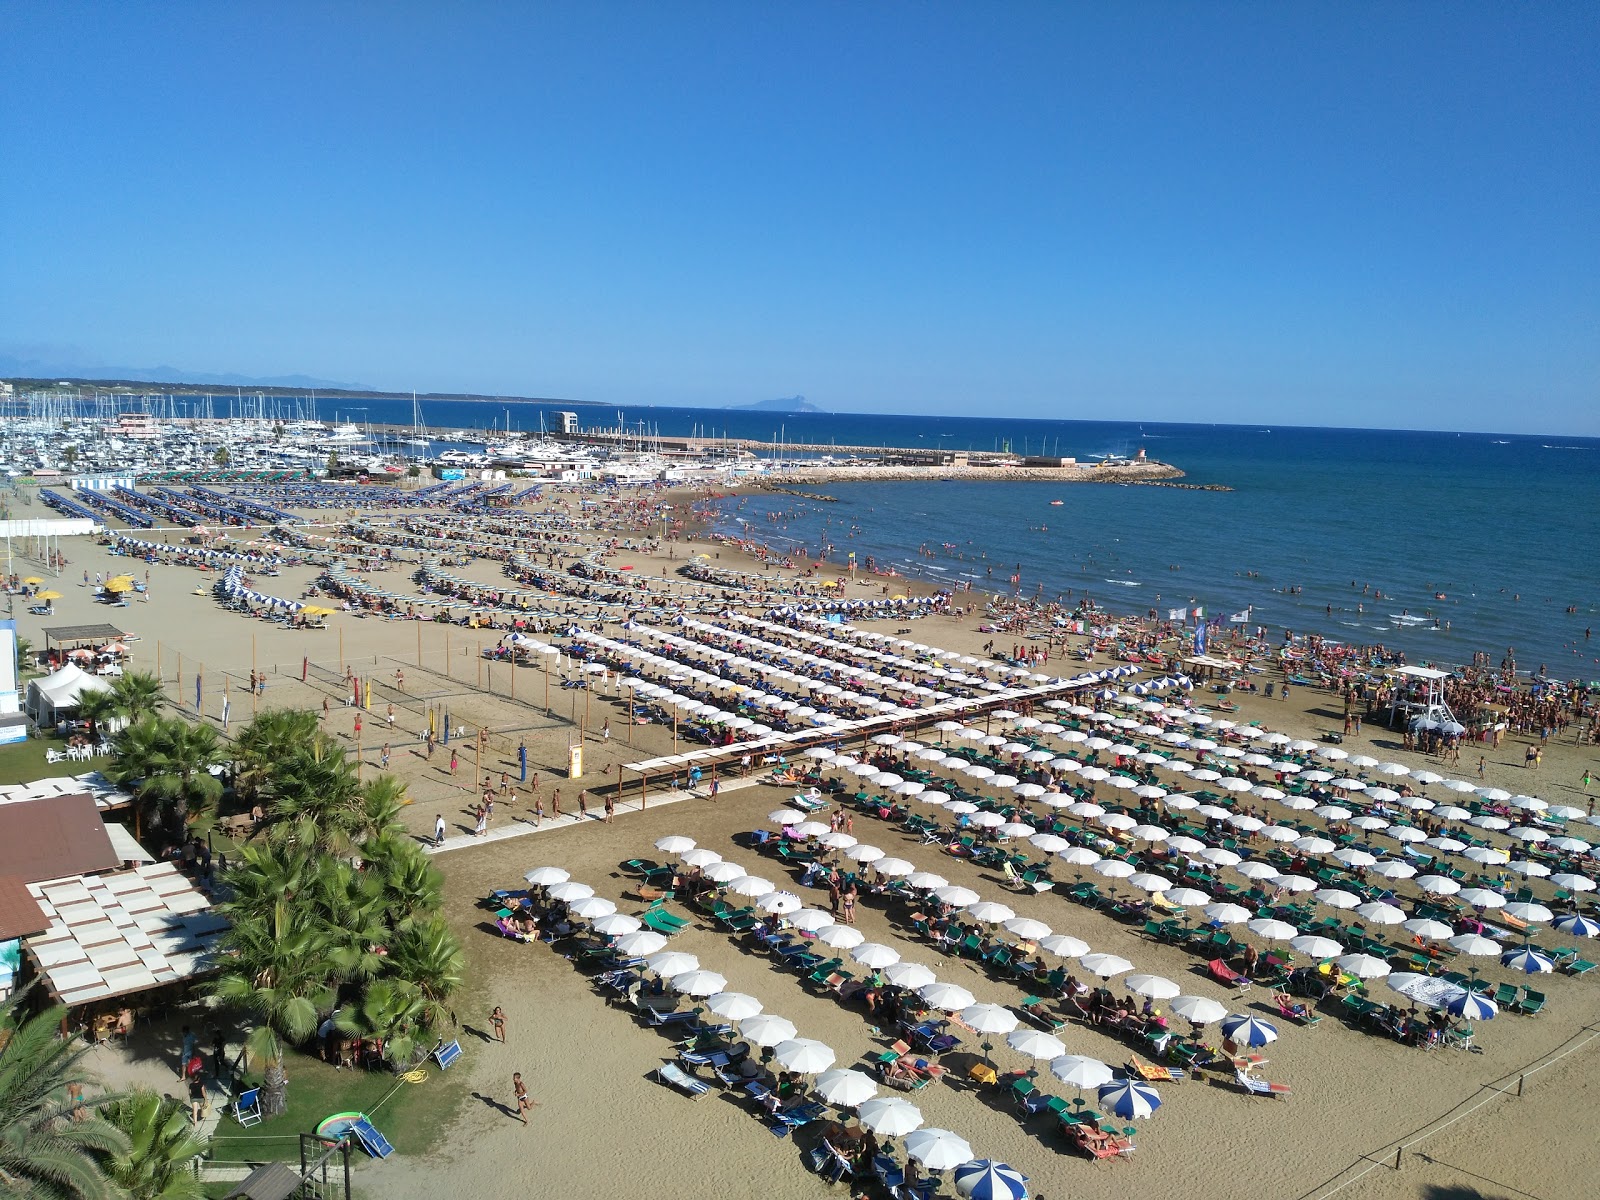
(438, 831)
(611, 807)
(453, 762)
(524, 1101)
(538, 812)
(555, 805)
(497, 1022)
(583, 806)
(482, 827)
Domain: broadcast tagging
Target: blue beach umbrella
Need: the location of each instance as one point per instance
(1249, 1031)
(1579, 925)
(984, 1179)
(1529, 962)
(1128, 1098)
(1471, 1006)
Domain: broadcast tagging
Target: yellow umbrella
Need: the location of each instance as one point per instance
(32, 579)
(316, 610)
(47, 595)
(119, 585)
(115, 578)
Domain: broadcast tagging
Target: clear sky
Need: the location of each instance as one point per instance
(1356, 214)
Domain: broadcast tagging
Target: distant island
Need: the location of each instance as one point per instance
(784, 404)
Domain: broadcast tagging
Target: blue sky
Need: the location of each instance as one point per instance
(1359, 214)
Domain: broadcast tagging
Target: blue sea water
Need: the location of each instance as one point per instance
(1507, 527)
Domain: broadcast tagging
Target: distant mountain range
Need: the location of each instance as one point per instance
(784, 404)
(12, 367)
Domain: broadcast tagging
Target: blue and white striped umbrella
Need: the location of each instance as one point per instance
(985, 1179)
(1128, 1098)
(1528, 961)
(1471, 1006)
(1579, 925)
(1249, 1031)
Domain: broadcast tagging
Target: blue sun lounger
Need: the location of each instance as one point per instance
(373, 1142)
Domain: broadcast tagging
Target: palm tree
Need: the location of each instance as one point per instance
(138, 693)
(270, 737)
(381, 801)
(49, 1137)
(97, 708)
(161, 1148)
(166, 762)
(412, 885)
(351, 905)
(427, 954)
(317, 797)
(278, 973)
(266, 883)
(397, 1012)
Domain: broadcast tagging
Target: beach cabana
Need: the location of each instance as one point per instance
(55, 695)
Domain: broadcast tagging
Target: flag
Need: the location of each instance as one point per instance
(1176, 614)
(197, 681)
(1198, 612)
(1241, 618)
(227, 707)
(433, 726)
(369, 694)
(1199, 639)
(447, 727)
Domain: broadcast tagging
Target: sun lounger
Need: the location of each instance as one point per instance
(1155, 1074)
(1294, 1010)
(370, 1140)
(1226, 975)
(1261, 1087)
(673, 1076)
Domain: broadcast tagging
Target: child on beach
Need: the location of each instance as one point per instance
(520, 1092)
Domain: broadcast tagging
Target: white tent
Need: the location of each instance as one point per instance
(55, 694)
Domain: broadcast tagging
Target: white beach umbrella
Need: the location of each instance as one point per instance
(989, 1018)
(1157, 987)
(1105, 965)
(672, 963)
(545, 876)
(909, 975)
(1375, 912)
(723, 872)
(1363, 966)
(947, 997)
(840, 937)
(1027, 928)
(811, 920)
(779, 903)
(752, 886)
(845, 1088)
(863, 853)
(733, 1006)
(675, 844)
(1226, 914)
(937, 1149)
(926, 881)
(1198, 1010)
(875, 956)
(805, 1055)
(569, 891)
(1316, 947)
(592, 907)
(955, 896)
(1081, 1072)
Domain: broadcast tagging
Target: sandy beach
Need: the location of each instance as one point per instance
(604, 1128)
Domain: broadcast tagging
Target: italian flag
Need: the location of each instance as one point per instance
(1199, 613)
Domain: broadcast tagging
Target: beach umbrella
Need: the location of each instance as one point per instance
(1376, 912)
(1578, 925)
(733, 1006)
(1225, 913)
(1220, 857)
(752, 886)
(1027, 928)
(955, 896)
(701, 857)
(836, 840)
(786, 816)
(1527, 961)
(845, 1088)
(676, 844)
(640, 942)
(545, 876)
(1475, 945)
(697, 983)
(810, 920)
(989, 1018)
(889, 1116)
(989, 912)
(569, 891)
(1394, 869)
(875, 955)
(1533, 914)
(1198, 1010)
(805, 1055)
(672, 963)
(1105, 965)
(1331, 812)
(841, 937)
(1049, 843)
(766, 1029)
(1316, 947)
(1129, 1098)
(1336, 898)
(1363, 966)
(779, 903)
(1470, 1006)
(892, 866)
(926, 881)
(1490, 822)
(1532, 870)
(947, 997)
(724, 872)
(863, 853)
(1438, 885)
(1145, 881)
(984, 1179)
(1369, 823)
(937, 1149)
(592, 907)
(1080, 1071)
(1064, 945)
(1078, 856)
(1115, 868)
(616, 924)
(1035, 1044)
(1487, 855)
(1186, 897)
(1460, 785)
(909, 975)
(1254, 870)
(1249, 1031)
(1156, 987)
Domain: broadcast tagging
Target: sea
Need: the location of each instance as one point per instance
(1444, 545)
